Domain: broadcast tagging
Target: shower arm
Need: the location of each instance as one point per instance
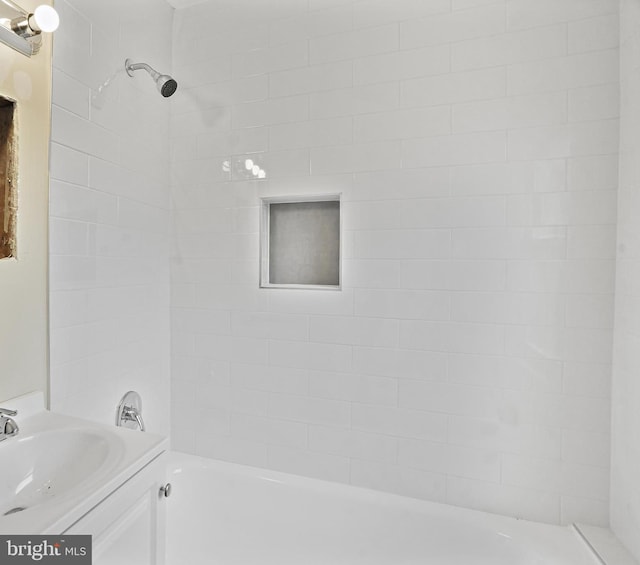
(130, 67)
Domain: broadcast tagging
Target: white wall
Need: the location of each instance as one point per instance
(110, 217)
(23, 280)
(625, 462)
(467, 357)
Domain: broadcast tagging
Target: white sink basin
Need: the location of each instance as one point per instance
(43, 466)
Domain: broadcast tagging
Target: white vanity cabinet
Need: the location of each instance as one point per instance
(128, 527)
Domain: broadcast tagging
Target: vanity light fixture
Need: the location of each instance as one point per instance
(22, 30)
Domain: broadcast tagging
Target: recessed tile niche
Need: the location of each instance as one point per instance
(8, 178)
(300, 242)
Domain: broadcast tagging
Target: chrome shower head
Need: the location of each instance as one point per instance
(166, 85)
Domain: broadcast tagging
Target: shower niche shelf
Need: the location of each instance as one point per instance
(300, 243)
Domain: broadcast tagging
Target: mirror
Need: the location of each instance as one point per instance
(8, 178)
(25, 109)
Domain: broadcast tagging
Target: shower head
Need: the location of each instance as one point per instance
(166, 85)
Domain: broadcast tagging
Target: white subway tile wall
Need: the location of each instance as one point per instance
(467, 358)
(625, 461)
(110, 212)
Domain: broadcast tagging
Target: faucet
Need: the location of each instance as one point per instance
(129, 412)
(8, 426)
(132, 414)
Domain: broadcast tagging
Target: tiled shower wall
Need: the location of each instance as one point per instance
(467, 357)
(110, 201)
(625, 491)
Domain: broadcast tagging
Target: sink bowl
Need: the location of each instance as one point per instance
(42, 467)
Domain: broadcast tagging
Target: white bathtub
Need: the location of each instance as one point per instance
(225, 514)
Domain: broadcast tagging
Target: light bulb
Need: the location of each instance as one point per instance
(262, 174)
(248, 164)
(45, 19)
